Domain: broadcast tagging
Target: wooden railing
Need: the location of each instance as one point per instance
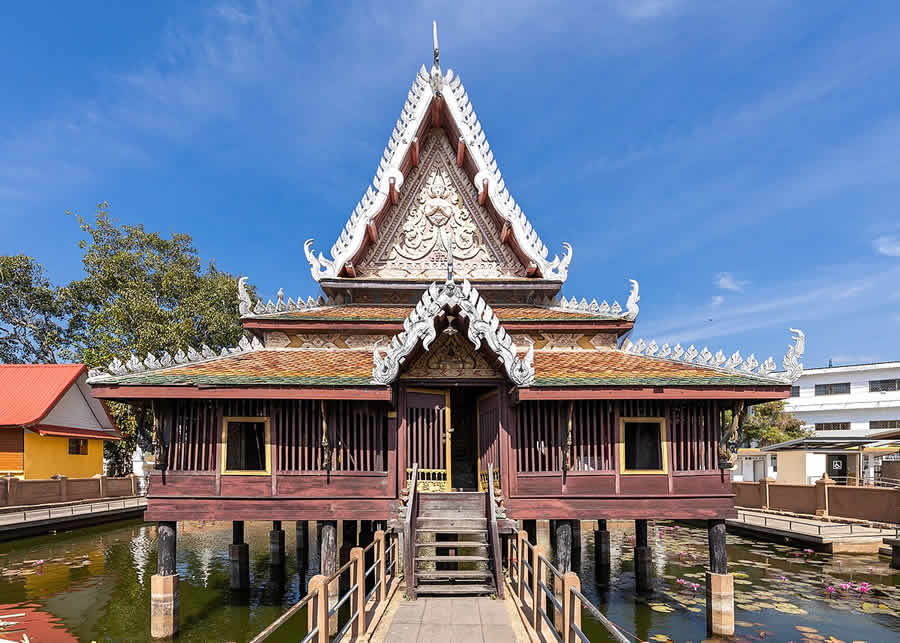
(554, 598)
(494, 535)
(386, 570)
(409, 533)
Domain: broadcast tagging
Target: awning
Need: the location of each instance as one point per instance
(835, 444)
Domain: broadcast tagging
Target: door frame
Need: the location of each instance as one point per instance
(448, 454)
(484, 396)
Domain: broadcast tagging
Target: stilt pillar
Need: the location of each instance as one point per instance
(328, 565)
(302, 531)
(601, 554)
(642, 558)
(719, 583)
(276, 544)
(561, 542)
(530, 527)
(239, 557)
(164, 602)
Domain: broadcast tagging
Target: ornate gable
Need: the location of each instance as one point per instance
(436, 100)
(438, 195)
(450, 356)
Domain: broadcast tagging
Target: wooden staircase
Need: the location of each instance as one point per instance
(453, 552)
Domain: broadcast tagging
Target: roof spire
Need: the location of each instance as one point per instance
(437, 55)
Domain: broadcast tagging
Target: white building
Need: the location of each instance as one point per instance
(848, 401)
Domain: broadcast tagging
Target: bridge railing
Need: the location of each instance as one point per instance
(554, 598)
(321, 612)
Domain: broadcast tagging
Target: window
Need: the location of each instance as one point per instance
(77, 446)
(245, 445)
(795, 391)
(883, 386)
(643, 445)
(832, 426)
(840, 388)
(878, 425)
(773, 463)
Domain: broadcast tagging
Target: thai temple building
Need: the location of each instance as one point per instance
(440, 355)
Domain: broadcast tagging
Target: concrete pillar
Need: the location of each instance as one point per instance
(276, 544)
(164, 603)
(643, 562)
(561, 542)
(895, 551)
(822, 486)
(601, 554)
(719, 583)
(239, 557)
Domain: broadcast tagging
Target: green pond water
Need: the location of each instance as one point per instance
(94, 585)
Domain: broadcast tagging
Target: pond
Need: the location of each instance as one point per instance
(94, 585)
(781, 593)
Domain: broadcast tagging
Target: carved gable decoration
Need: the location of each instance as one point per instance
(451, 356)
(437, 197)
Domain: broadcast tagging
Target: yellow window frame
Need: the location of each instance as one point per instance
(663, 444)
(268, 448)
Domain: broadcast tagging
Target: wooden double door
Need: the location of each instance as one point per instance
(452, 429)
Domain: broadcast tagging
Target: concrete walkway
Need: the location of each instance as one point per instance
(455, 620)
(821, 534)
(16, 522)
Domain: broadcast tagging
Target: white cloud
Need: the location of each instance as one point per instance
(887, 245)
(717, 301)
(726, 281)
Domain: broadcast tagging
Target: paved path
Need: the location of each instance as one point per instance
(455, 620)
(32, 520)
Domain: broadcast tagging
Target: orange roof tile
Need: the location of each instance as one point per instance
(343, 367)
(29, 391)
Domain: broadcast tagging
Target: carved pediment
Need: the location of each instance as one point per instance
(451, 356)
(438, 196)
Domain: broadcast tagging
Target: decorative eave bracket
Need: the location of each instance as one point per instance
(484, 326)
(793, 368)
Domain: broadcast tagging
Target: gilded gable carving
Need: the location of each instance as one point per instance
(278, 339)
(565, 341)
(451, 356)
(438, 196)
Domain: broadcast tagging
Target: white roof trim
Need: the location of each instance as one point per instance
(424, 88)
(483, 326)
(793, 368)
(165, 360)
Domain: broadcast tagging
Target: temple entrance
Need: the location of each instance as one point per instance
(453, 436)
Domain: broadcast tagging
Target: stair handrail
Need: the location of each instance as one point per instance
(409, 533)
(494, 533)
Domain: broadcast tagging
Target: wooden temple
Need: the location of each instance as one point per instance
(440, 345)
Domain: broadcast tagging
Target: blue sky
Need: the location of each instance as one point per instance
(740, 159)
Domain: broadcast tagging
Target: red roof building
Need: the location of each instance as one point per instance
(50, 423)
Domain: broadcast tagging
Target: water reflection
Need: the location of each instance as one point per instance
(778, 590)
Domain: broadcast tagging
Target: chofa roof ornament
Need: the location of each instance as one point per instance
(793, 368)
(426, 86)
(484, 326)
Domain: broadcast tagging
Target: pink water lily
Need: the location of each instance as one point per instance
(681, 581)
(696, 586)
(808, 551)
(863, 588)
(846, 586)
(830, 589)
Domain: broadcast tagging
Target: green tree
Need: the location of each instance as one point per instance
(144, 293)
(32, 311)
(770, 424)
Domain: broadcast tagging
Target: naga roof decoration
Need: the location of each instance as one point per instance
(601, 310)
(484, 325)
(426, 87)
(165, 360)
(793, 368)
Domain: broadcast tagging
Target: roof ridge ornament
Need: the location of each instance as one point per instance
(484, 326)
(793, 368)
(166, 360)
(437, 78)
(629, 314)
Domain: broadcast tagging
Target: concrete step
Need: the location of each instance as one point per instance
(452, 559)
(453, 589)
(453, 544)
(453, 574)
